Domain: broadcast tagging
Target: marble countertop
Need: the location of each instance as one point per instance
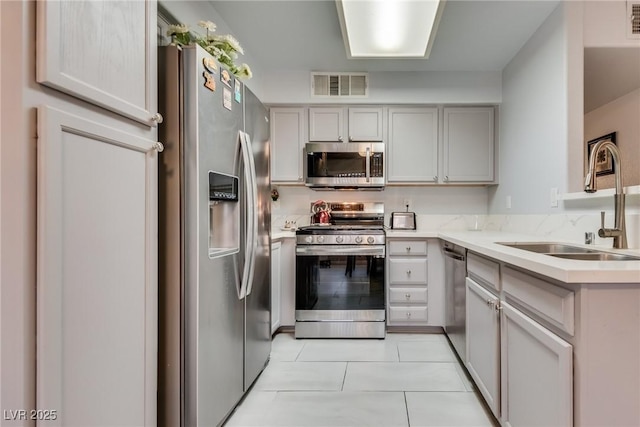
(564, 270)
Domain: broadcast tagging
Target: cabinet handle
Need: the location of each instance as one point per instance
(408, 248)
(299, 178)
(497, 307)
(340, 138)
(350, 138)
(158, 147)
(408, 315)
(407, 296)
(157, 118)
(446, 178)
(435, 178)
(408, 272)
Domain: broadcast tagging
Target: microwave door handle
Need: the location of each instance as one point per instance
(368, 164)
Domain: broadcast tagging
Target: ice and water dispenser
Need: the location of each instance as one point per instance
(224, 214)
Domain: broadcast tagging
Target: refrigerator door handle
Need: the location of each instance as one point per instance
(250, 207)
(253, 212)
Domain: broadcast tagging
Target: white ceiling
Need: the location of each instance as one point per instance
(304, 35)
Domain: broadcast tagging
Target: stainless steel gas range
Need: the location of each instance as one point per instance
(340, 277)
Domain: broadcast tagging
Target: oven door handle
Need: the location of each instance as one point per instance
(340, 250)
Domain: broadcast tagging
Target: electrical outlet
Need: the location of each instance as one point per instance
(553, 197)
(507, 202)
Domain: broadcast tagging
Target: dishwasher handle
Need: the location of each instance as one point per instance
(453, 254)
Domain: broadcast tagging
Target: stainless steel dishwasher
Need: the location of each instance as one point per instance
(455, 264)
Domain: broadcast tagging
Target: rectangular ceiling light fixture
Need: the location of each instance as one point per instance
(389, 28)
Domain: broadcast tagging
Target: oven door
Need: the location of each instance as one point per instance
(340, 283)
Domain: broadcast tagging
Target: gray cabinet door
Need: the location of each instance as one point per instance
(468, 144)
(412, 149)
(97, 294)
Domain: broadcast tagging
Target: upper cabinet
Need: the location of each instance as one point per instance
(468, 145)
(103, 52)
(412, 150)
(287, 144)
(341, 124)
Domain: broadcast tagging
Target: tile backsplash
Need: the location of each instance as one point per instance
(465, 209)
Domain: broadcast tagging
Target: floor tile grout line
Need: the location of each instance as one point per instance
(344, 377)
(406, 407)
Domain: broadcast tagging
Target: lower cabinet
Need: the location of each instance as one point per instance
(483, 343)
(276, 279)
(288, 282)
(521, 365)
(537, 373)
(407, 294)
(97, 284)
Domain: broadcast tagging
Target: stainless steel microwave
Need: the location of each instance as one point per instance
(358, 165)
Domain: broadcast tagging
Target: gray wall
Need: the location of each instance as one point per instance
(533, 118)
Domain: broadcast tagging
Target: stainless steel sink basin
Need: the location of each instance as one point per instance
(548, 248)
(560, 250)
(598, 256)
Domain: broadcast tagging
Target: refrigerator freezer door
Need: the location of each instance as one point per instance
(258, 301)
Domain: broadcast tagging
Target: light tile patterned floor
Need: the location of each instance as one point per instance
(404, 380)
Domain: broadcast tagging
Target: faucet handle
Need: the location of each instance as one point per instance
(602, 219)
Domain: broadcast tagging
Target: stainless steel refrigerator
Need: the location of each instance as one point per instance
(214, 257)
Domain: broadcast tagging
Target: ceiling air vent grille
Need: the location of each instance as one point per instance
(633, 9)
(339, 85)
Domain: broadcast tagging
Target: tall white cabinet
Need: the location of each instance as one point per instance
(103, 52)
(97, 293)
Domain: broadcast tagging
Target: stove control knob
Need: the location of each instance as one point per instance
(359, 239)
(308, 239)
(339, 239)
(370, 240)
(320, 239)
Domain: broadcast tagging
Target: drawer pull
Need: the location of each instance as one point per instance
(408, 248)
(408, 272)
(407, 296)
(408, 315)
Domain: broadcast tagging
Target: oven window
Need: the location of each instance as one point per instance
(344, 282)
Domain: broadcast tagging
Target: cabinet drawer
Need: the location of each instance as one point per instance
(484, 270)
(549, 302)
(408, 295)
(408, 271)
(407, 247)
(408, 313)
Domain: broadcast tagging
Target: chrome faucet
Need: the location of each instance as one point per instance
(619, 230)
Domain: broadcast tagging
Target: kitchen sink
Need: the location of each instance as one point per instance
(597, 256)
(548, 248)
(560, 250)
